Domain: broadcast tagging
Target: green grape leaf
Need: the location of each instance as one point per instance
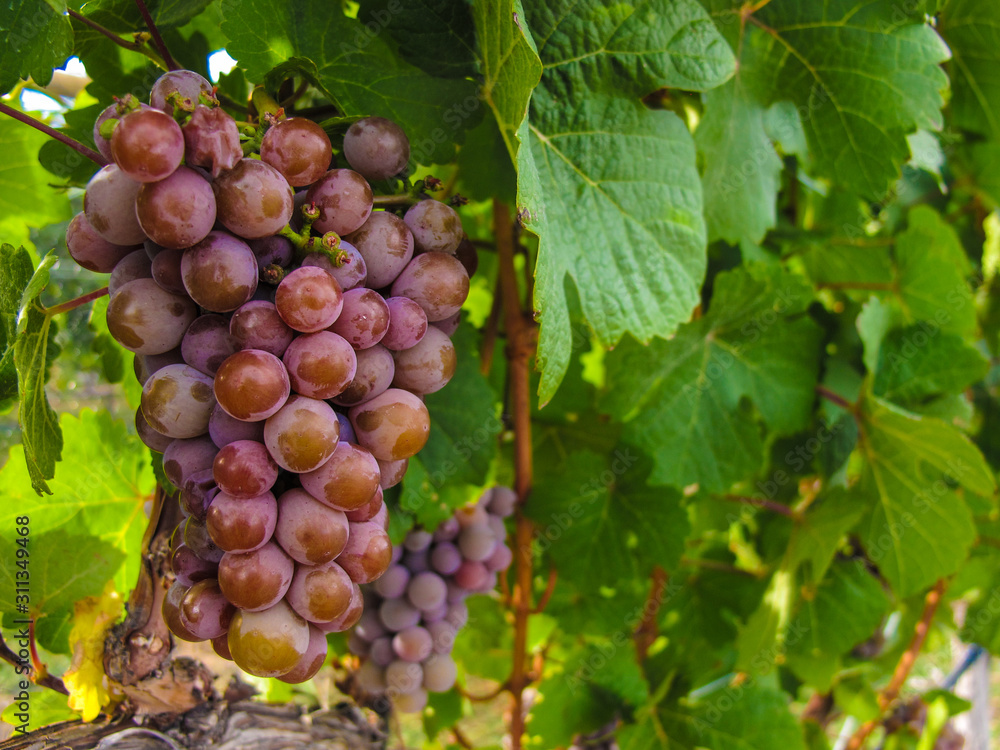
(435, 35)
(103, 484)
(972, 30)
(843, 610)
(63, 568)
(24, 189)
(16, 270)
(37, 38)
(920, 362)
(862, 78)
(839, 262)
(744, 717)
(609, 524)
(124, 16)
(918, 528)
(687, 401)
(34, 350)
(360, 73)
(47, 707)
(510, 65)
(602, 171)
(739, 203)
(819, 534)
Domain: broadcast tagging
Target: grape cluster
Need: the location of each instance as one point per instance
(414, 611)
(284, 341)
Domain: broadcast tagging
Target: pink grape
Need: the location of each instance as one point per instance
(176, 212)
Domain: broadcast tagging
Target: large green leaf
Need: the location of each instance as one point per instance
(687, 400)
(919, 527)
(24, 188)
(16, 271)
(359, 71)
(609, 187)
(602, 524)
(972, 30)
(37, 38)
(920, 362)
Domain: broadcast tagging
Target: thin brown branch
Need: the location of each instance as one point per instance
(39, 677)
(485, 696)
(460, 738)
(157, 39)
(402, 199)
(550, 586)
(771, 505)
(647, 630)
(520, 351)
(53, 133)
(135, 46)
(834, 398)
(76, 302)
(905, 664)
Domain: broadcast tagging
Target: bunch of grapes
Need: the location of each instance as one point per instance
(414, 611)
(284, 341)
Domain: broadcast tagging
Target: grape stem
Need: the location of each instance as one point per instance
(76, 302)
(42, 678)
(520, 351)
(306, 244)
(905, 664)
(136, 46)
(157, 39)
(402, 199)
(53, 133)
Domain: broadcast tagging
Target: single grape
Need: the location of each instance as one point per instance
(244, 469)
(144, 366)
(176, 212)
(183, 84)
(472, 514)
(220, 272)
(212, 140)
(311, 662)
(320, 593)
(372, 376)
(471, 575)
(346, 429)
(449, 325)
(392, 584)
(501, 501)
(256, 580)
(146, 319)
(171, 612)
(440, 673)
(309, 299)
(410, 703)
(370, 625)
(134, 266)
(376, 147)
(182, 458)
(253, 199)
(468, 256)
(456, 593)
(500, 560)
(417, 540)
(442, 636)
(196, 536)
(220, 646)
(427, 591)
(152, 439)
(268, 643)
(197, 493)
(346, 481)
(302, 434)
(404, 677)
(207, 343)
(257, 325)
(251, 385)
(320, 365)
(241, 524)
(445, 558)
(177, 401)
(368, 552)
(350, 274)
(380, 651)
(393, 426)
(407, 324)
(273, 250)
(386, 244)
(166, 270)
(369, 510)
(417, 562)
(350, 616)
(299, 149)
(477, 542)
(458, 615)
(344, 200)
(370, 678)
(398, 614)
(90, 250)
(447, 530)
(309, 531)
(412, 644)
(435, 281)
(499, 529)
(115, 111)
(204, 611)
(224, 429)
(188, 568)
(147, 145)
(152, 249)
(426, 367)
(435, 226)
(364, 318)
(392, 472)
(381, 517)
(109, 205)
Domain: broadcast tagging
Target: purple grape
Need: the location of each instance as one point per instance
(386, 245)
(204, 610)
(257, 325)
(207, 343)
(147, 319)
(449, 325)
(253, 199)
(251, 385)
(134, 266)
(309, 299)
(435, 226)
(176, 212)
(380, 652)
(376, 147)
(346, 429)
(502, 501)
(404, 677)
(417, 540)
(447, 530)
(364, 318)
(374, 369)
(109, 205)
(177, 401)
(303, 434)
(500, 560)
(188, 568)
(244, 469)
(445, 558)
(272, 251)
(89, 249)
(370, 626)
(427, 591)
(311, 662)
(412, 644)
(435, 281)
(114, 111)
(147, 145)
(320, 365)
(186, 84)
(458, 615)
(440, 673)
(407, 324)
(350, 274)
(392, 584)
(184, 457)
(197, 493)
(299, 149)
(212, 140)
(166, 270)
(241, 524)
(309, 531)
(220, 272)
(224, 429)
(398, 614)
(154, 440)
(256, 580)
(344, 200)
(196, 536)
(442, 636)
(392, 472)
(417, 562)
(426, 367)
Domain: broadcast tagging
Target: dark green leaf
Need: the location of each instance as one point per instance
(37, 38)
(16, 270)
(972, 30)
(919, 362)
